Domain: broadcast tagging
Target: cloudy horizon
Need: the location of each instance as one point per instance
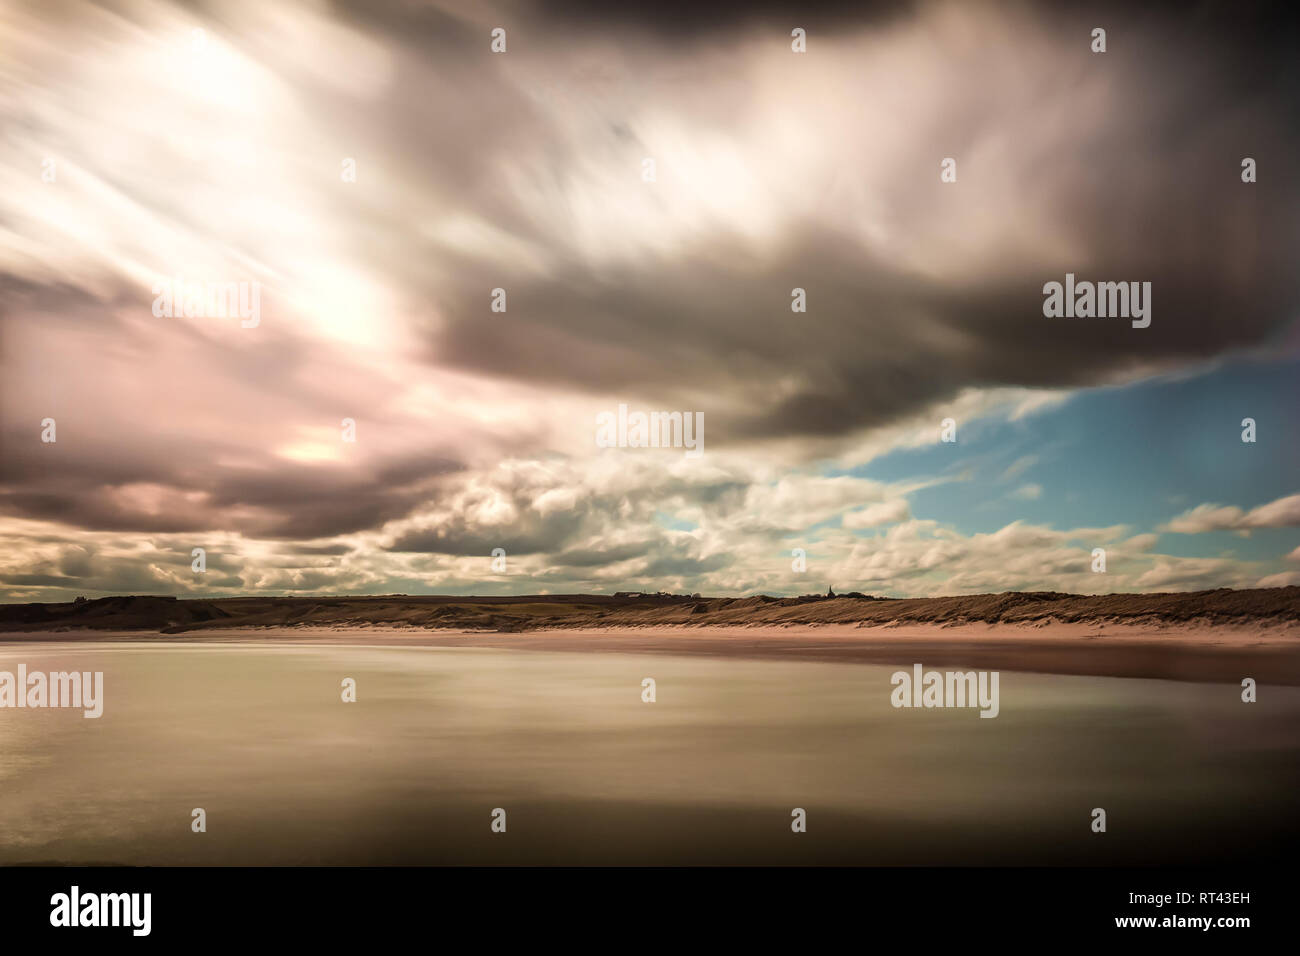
(376, 171)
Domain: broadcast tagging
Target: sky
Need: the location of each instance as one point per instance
(456, 259)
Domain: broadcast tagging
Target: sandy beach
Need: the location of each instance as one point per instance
(1269, 653)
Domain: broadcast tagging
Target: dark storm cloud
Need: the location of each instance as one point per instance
(292, 503)
(680, 19)
(531, 535)
(1141, 185)
(601, 557)
(672, 566)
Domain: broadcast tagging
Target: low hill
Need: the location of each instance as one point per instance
(170, 615)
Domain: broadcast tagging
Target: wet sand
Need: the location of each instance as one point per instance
(589, 773)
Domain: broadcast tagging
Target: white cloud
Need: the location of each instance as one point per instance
(1282, 579)
(1282, 513)
(887, 512)
(1018, 467)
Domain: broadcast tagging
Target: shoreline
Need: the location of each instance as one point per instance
(1269, 653)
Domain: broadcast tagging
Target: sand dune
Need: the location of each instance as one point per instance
(1214, 636)
(1273, 606)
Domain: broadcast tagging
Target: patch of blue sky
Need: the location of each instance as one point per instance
(1137, 455)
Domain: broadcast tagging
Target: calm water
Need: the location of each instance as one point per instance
(587, 773)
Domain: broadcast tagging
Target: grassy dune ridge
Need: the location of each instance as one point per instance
(169, 615)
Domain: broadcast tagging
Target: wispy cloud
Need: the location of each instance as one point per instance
(1282, 513)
